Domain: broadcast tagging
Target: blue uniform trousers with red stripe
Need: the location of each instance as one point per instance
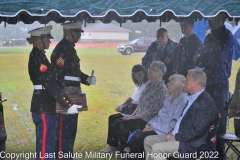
(66, 133)
(46, 125)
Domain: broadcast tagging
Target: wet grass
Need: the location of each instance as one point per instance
(114, 85)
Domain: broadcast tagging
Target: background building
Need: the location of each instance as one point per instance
(100, 32)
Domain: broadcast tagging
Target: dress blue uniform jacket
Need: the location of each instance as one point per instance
(41, 73)
(66, 63)
(70, 65)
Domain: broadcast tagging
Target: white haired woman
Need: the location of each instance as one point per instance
(167, 117)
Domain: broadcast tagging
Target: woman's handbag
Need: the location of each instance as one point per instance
(126, 108)
(77, 96)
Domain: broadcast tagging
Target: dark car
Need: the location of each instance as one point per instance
(137, 45)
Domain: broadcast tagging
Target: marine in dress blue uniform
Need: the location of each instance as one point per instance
(67, 66)
(46, 91)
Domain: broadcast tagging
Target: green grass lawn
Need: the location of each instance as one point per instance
(114, 85)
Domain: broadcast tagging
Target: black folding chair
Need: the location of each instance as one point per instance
(229, 139)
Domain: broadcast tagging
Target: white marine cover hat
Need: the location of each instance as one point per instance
(76, 26)
(42, 32)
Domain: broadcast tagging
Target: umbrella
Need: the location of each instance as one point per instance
(236, 35)
(236, 32)
(201, 27)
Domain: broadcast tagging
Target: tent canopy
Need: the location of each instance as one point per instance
(28, 11)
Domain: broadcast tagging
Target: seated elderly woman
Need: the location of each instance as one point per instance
(150, 102)
(139, 77)
(167, 117)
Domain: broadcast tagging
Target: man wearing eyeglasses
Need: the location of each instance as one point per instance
(162, 49)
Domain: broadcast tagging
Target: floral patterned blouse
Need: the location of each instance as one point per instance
(151, 100)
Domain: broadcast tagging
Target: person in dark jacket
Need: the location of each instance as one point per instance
(189, 47)
(191, 130)
(66, 62)
(163, 49)
(216, 61)
(46, 92)
(234, 107)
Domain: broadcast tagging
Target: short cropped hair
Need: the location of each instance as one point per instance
(199, 76)
(161, 66)
(178, 80)
(139, 68)
(160, 30)
(222, 16)
(189, 21)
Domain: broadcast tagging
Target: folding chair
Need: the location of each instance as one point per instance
(229, 139)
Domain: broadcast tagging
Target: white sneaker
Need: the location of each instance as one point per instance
(104, 149)
(127, 149)
(110, 149)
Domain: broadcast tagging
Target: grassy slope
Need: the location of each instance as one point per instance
(114, 85)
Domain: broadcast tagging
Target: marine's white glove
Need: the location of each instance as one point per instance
(92, 80)
(73, 109)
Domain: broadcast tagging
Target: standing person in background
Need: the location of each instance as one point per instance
(67, 65)
(189, 47)
(46, 91)
(234, 107)
(163, 49)
(216, 61)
